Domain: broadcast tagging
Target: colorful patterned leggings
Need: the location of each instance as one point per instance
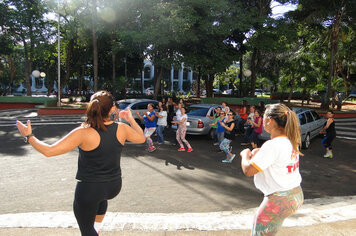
(274, 209)
(148, 132)
(180, 136)
(225, 146)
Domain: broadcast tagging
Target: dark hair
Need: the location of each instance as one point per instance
(331, 111)
(244, 103)
(225, 103)
(259, 111)
(98, 109)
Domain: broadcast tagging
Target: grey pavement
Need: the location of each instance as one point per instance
(161, 182)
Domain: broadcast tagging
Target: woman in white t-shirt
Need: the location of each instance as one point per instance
(275, 167)
(161, 122)
(181, 131)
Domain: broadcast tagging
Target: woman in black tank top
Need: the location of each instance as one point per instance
(330, 132)
(100, 142)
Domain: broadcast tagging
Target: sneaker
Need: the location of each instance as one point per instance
(225, 160)
(327, 154)
(331, 155)
(190, 150)
(181, 149)
(215, 144)
(232, 158)
(152, 149)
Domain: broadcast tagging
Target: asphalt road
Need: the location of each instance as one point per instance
(164, 181)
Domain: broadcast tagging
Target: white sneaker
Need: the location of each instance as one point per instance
(327, 154)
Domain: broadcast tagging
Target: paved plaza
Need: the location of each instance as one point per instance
(166, 184)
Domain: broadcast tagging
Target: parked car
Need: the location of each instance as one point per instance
(310, 125)
(198, 122)
(139, 104)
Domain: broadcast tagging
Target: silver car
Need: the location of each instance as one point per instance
(137, 104)
(310, 125)
(198, 122)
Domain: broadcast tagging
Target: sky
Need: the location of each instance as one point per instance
(278, 9)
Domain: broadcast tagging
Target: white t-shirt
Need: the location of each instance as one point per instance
(186, 119)
(178, 114)
(162, 120)
(278, 166)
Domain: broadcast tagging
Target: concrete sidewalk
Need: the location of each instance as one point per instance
(347, 227)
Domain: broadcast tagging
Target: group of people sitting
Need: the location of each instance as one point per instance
(227, 124)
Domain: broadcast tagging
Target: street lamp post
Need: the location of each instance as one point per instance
(247, 73)
(303, 79)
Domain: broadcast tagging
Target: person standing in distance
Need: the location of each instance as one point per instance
(329, 130)
(100, 142)
(150, 125)
(275, 167)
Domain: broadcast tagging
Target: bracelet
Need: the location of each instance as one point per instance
(27, 138)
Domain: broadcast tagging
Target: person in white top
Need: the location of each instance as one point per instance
(161, 122)
(275, 167)
(181, 131)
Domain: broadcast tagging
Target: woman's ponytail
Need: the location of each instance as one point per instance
(98, 110)
(293, 130)
(287, 119)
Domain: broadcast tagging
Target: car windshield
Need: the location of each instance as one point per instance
(197, 111)
(123, 105)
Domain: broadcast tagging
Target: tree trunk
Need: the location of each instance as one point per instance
(95, 47)
(209, 80)
(69, 53)
(27, 69)
(240, 75)
(12, 71)
(198, 82)
(158, 83)
(291, 89)
(335, 28)
(113, 56)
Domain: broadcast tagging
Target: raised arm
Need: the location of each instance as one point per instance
(132, 133)
(64, 145)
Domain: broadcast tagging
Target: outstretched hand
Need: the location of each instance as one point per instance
(25, 130)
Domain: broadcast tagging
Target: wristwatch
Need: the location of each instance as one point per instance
(26, 138)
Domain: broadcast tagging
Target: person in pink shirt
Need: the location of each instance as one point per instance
(257, 128)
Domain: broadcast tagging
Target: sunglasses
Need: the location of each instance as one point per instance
(230, 114)
(222, 113)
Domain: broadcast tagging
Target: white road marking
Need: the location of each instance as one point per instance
(314, 211)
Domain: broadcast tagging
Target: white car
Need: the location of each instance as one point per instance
(310, 125)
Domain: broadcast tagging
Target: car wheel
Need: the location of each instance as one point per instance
(306, 142)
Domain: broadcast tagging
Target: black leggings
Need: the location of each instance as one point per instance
(90, 199)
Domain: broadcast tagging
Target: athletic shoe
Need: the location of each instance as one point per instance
(327, 154)
(190, 150)
(232, 158)
(215, 144)
(225, 161)
(331, 155)
(181, 149)
(152, 149)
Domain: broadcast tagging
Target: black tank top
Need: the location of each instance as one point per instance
(103, 163)
(229, 134)
(331, 130)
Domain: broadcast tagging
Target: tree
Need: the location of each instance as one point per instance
(332, 15)
(25, 22)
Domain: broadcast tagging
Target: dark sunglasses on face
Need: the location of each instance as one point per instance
(230, 114)
(222, 113)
